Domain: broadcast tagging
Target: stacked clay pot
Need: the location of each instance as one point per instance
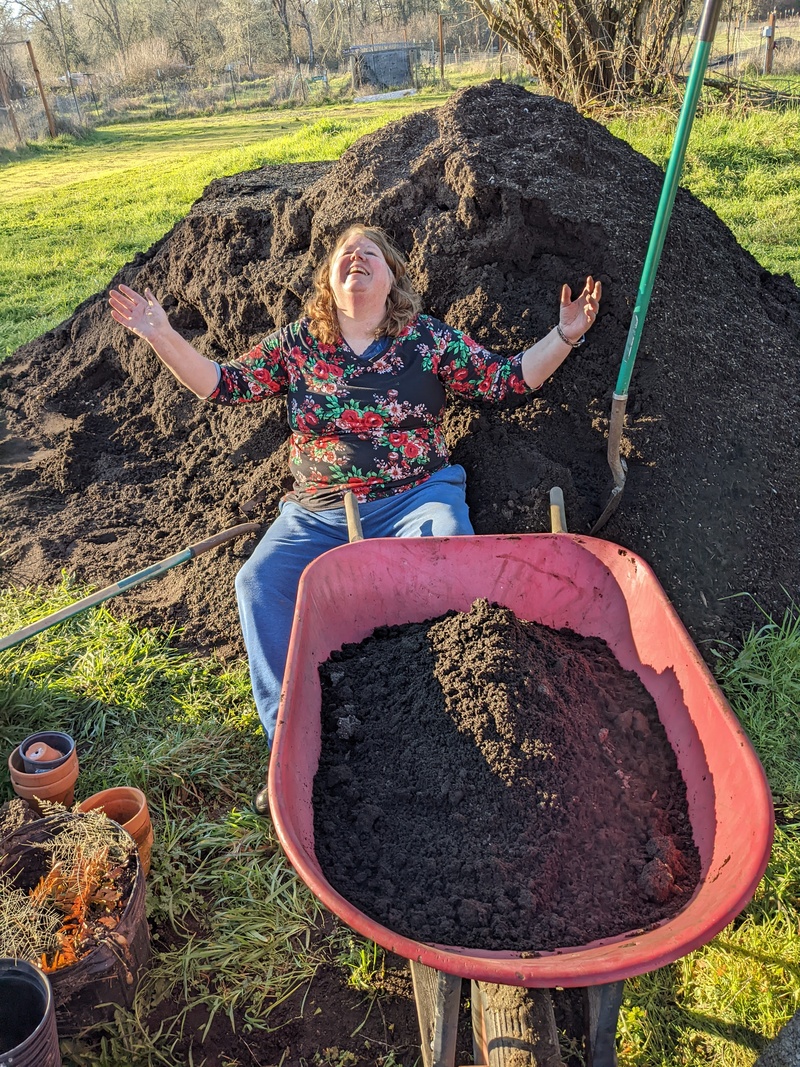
(127, 806)
(45, 767)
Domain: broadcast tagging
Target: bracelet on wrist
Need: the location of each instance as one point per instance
(566, 340)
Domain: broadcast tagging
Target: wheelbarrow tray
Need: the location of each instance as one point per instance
(597, 589)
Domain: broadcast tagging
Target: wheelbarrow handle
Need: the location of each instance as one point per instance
(354, 530)
(153, 571)
(558, 515)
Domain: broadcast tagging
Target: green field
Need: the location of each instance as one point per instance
(71, 214)
(746, 168)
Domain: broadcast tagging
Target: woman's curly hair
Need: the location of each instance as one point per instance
(402, 304)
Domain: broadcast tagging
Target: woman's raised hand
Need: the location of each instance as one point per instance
(141, 314)
(145, 317)
(577, 316)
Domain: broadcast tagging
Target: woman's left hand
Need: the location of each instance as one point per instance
(577, 316)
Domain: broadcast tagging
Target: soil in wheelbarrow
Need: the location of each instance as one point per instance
(495, 784)
(497, 198)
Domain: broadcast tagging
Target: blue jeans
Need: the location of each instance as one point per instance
(266, 586)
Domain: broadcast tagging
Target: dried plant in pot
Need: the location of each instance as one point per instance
(72, 900)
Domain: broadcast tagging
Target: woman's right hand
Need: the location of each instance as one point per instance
(143, 315)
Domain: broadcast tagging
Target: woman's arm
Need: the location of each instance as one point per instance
(144, 316)
(575, 318)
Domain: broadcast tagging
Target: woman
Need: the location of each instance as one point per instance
(365, 374)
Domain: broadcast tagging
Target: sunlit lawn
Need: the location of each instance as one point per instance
(72, 214)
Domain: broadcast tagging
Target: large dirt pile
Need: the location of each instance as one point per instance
(497, 197)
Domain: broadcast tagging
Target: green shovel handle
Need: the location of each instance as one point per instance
(705, 38)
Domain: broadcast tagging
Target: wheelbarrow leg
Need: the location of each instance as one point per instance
(513, 1026)
(601, 1009)
(438, 999)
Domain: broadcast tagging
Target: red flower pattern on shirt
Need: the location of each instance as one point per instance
(374, 425)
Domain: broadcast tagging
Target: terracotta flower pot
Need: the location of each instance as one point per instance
(127, 806)
(57, 784)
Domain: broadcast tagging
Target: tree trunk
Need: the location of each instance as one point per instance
(586, 51)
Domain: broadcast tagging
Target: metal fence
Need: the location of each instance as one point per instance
(87, 99)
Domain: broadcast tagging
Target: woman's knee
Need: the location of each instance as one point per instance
(249, 577)
(263, 575)
(437, 518)
(273, 571)
(450, 522)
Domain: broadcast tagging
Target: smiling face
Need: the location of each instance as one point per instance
(359, 270)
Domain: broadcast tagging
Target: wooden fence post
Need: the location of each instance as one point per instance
(38, 77)
(7, 104)
(441, 51)
(770, 43)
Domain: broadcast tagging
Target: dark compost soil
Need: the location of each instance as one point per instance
(496, 784)
(497, 198)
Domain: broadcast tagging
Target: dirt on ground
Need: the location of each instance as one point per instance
(497, 198)
(496, 784)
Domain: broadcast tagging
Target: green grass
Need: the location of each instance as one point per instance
(762, 680)
(72, 214)
(745, 167)
(740, 989)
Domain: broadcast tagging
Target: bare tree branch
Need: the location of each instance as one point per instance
(591, 51)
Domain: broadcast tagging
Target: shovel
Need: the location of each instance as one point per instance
(153, 571)
(694, 85)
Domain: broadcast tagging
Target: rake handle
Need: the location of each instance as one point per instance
(153, 571)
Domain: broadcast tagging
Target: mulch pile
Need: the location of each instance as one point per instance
(496, 784)
(497, 198)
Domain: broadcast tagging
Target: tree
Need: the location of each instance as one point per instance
(591, 51)
(304, 23)
(281, 9)
(58, 32)
(192, 29)
(113, 24)
(335, 26)
(250, 32)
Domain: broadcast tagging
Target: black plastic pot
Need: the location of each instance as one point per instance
(63, 743)
(28, 1034)
(97, 985)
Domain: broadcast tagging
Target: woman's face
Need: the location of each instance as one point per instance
(358, 268)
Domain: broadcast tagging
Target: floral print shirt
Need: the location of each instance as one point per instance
(372, 425)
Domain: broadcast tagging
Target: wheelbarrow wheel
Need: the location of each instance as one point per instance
(261, 801)
(513, 1026)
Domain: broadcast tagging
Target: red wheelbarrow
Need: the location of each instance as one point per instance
(562, 580)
